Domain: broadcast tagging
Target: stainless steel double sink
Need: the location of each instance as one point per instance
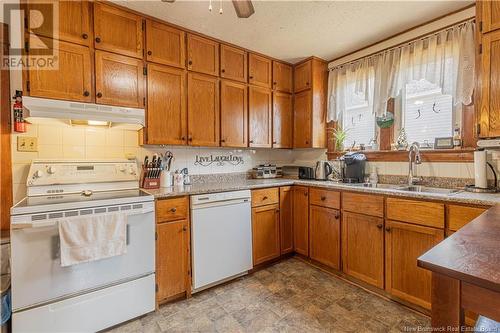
(406, 188)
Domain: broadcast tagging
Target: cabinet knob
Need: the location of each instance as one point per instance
(190, 62)
(85, 36)
(337, 215)
(388, 229)
(323, 198)
(183, 138)
(99, 95)
(264, 198)
(97, 39)
(190, 139)
(274, 142)
(150, 53)
(307, 83)
(251, 141)
(250, 77)
(307, 142)
(222, 140)
(184, 228)
(86, 93)
(222, 70)
(173, 209)
(379, 226)
(305, 194)
(275, 83)
(277, 210)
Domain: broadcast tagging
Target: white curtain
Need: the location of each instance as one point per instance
(382, 76)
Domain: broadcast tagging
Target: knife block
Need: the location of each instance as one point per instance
(149, 182)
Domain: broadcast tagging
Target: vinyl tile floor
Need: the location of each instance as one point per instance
(291, 296)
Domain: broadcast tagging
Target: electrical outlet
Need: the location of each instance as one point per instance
(27, 143)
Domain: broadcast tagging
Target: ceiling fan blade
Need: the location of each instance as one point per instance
(243, 8)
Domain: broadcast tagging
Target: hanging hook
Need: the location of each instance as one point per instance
(434, 108)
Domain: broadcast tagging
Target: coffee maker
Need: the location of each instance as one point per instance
(353, 167)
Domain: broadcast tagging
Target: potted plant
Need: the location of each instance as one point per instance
(339, 136)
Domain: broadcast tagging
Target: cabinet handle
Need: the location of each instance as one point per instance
(85, 36)
(264, 198)
(323, 198)
(337, 216)
(222, 70)
(275, 83)
(305, 194)
(184, 228)
(222, 140)
(183, 138)
(307, 142)
(388, 229)
(150, 53)
(99, 95)
(250, 77)
(190, 62)
(307, 83)
(86, 93)
(251, 141)
(173, 209)
(277, 210)
(190, 139)
(379, 226)
(274, 142)
(97, 39)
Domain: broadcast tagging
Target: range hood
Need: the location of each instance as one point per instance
(43, 110)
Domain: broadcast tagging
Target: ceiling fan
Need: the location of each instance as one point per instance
(243, 8)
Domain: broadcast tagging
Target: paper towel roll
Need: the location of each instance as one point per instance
(480, 169)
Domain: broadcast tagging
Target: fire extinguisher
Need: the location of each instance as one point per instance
(19, 123)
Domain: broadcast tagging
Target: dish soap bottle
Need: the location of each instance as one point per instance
(457, 140)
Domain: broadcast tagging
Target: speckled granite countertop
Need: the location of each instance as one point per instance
(249, 184)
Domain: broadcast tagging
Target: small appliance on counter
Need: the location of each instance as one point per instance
(353, 170)
(263, 171)
(323, 170)
(306, 173)
(480, 174)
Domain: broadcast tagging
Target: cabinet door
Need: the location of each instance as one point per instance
(265, 233)
(490, 15)
(282, 120)
(172, 259)
(74, 20)
(301, 219)
(286, 219)
(363, 247)
(260, 117)
(203, 110)
(324, 237)
(302, 118)
(165, 45)
(303, 76)
(234, 114)
(404, 243)
(233, 63)
(282, 77)
(72, 80)
(458, 216)
(117, 31)
(490, 85)
(260, 69)
(166, 113)
(119, 80)
(203, 55)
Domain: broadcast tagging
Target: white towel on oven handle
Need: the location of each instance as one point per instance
(84, 239)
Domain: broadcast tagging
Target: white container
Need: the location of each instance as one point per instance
(480, 169)
(178, 179)
(166, 179)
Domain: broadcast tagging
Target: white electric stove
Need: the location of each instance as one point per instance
(91, 296)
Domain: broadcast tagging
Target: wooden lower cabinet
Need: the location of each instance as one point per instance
(265, 233)
(404, 243)
(286, 220)
(324, 235)
(301, 219)
(172, 260)
(363, 247)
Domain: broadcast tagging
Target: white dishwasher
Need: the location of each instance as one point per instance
(221, 236)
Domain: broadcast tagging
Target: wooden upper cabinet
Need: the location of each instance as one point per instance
(303, 76)
(265, 233)
(203, 110)
(489, 116)
(404, 243)
(165, 45)
(282, 120)
(301, 219)
(71, 81)
(233, 63)
(119, 80)
(166, 113)
(324, 237)
(260, 117)
(286, 219)
(259, 70)
(363, 247)
(118, 31)
(282, 77)
(234, 114)
(74, 21)
(302, 120)
(490, 15)
(203, 55)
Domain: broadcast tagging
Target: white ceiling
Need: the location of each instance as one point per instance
(293, 30)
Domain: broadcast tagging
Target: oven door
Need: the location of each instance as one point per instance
(37, 275)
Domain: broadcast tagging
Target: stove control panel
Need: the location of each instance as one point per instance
(46, 173)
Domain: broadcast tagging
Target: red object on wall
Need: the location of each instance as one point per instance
(19, 123)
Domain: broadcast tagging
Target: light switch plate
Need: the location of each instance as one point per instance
(27, 143)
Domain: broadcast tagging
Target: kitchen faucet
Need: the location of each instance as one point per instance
(414, 148)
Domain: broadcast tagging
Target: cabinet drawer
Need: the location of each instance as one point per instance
(325, 198)
(458, 216)
(419, 212)
(172, 209)
(265, 196)
(362, 203)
